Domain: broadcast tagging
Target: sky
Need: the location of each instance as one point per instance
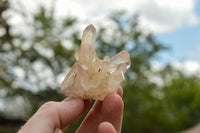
(184, 41)
(175, 23)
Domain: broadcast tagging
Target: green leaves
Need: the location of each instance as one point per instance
(182, 98)
(45, 53)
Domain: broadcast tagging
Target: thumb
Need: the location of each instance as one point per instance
(54, 115)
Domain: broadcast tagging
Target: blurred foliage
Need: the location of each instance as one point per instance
(183, 102)
(46, 49)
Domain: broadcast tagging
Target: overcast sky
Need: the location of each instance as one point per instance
(175, 23)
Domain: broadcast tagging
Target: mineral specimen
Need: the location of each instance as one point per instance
(91, 77)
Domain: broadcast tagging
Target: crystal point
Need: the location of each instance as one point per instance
(91, 77)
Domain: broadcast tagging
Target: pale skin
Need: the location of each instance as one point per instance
(104, 117)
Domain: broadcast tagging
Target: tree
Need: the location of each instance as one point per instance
(45, 48)
(138, 89)
(182, 98)
(33, 62)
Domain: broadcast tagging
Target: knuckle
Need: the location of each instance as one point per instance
(50, 104)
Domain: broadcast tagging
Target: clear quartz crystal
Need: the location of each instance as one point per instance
(91, 77)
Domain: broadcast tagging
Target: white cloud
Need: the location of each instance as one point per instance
(188, 67)
(166, 15)
(19, 72)
(44, 75)
(155, 15)
(156, 66)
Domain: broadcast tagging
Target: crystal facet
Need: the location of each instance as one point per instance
(91, 77)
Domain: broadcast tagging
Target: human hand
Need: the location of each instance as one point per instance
(104, 117)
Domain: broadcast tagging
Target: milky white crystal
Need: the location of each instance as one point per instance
(91, 77)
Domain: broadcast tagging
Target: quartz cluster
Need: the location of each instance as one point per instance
(91, 77)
